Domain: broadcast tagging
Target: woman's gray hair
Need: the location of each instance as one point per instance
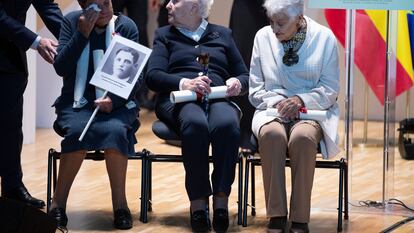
(292, 8)
(205, 7)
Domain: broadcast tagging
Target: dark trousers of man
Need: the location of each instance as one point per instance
(221, 129)
(11, 136)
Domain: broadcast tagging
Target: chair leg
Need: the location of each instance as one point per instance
(49, 180)
(253, 189)
(246, 191)
(144, 191)
(149, 185)
(54, 170)
(346, 217)
(240, 191)
(340, 196)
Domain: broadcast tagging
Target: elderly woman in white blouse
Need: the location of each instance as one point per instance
(294, 67)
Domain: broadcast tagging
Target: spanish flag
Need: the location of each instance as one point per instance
(410, 16)
(370, 46)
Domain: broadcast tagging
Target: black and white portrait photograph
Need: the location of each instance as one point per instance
(120, 66)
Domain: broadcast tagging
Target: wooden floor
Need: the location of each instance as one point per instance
(89, 206)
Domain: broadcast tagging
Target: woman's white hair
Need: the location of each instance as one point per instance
(292, 8)
(205, 7)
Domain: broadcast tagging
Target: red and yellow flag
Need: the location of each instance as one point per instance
(370, 47)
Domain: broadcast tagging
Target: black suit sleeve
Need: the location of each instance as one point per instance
(15, 31)
(50, 13)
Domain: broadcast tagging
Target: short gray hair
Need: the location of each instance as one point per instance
(292, 8)
(205, 7)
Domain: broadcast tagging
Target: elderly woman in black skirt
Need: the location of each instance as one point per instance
(113, 129)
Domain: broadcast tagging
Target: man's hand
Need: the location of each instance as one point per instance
(233, 87)
(47, 49)
(105, 105)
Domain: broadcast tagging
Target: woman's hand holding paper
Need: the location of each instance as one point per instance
(105, 104)
(289, 108)
(200, 85)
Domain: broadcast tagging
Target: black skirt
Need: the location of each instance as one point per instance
(115, 130)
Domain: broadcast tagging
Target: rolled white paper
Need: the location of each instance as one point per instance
(316, 115)
(187, 95)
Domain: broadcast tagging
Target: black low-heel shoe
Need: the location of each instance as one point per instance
(299, 228)
(200, 221)
(277, 223)
(122, 219)
(59, 214)
(221, 220)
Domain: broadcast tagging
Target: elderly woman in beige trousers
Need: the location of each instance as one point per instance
(294, 66)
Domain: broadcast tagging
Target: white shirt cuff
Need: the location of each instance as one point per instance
(35, 43)
(181, 83)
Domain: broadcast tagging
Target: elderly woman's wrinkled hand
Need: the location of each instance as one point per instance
(200, 85)
(87, 21)
(105, 105)
(289, 108)
(233, 87)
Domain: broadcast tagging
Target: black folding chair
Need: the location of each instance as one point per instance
(162, 131)
(252, 161)
(97, 155)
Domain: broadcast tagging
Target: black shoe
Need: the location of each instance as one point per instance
(21, 194)
(278, 223)
(200, 221)
(59, 214)
(299, 228)
(221, 220)
(122, 219)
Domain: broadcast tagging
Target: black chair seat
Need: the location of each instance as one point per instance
(161, 130)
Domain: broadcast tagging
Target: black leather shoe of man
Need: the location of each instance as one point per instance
(200, 221)
(21, 194)
(59, 214)
(122, 219)
(221, 220)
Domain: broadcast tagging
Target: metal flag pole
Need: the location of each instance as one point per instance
(366, 99)
(407, 103)
(365, 141)
(349, 74)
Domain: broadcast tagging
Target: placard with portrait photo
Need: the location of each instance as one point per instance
(120, 66)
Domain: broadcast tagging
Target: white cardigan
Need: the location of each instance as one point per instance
(315, 79)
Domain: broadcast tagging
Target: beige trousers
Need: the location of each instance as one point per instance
(300, 141)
